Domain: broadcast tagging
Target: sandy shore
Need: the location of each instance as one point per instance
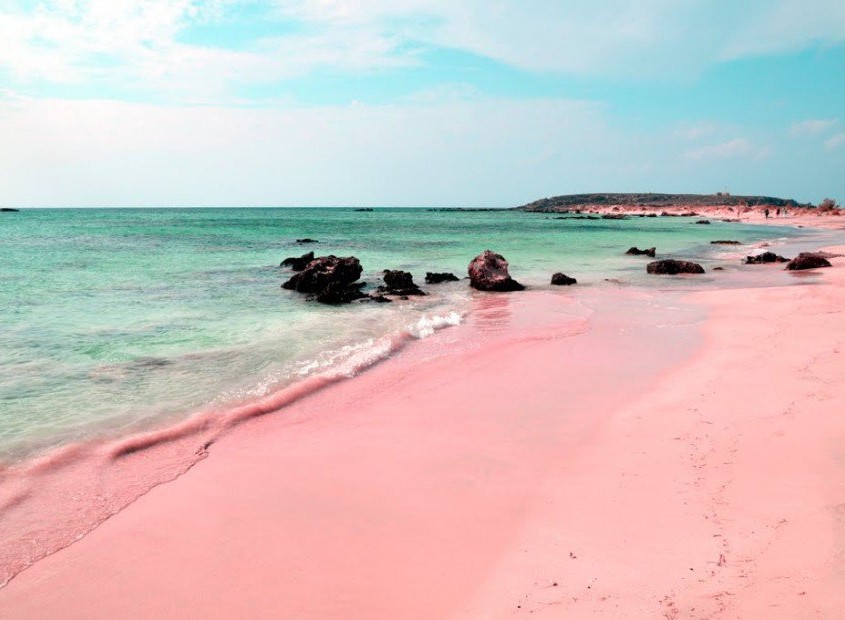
(671, 455)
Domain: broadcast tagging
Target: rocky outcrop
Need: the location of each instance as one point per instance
(401, 283)
(638, 252)
(671, 267)
(331, 280)
(9, 210)
(725, 242)
(337, 293)
(437, 278)
(307, 240)
(561, 279)
(703, 222)
(807, 260)
(489, 272)
(614, 216)
(764, 258)
(297, 264)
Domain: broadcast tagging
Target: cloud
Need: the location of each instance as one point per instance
(812, 126)
(736, 148)
(143, 45)
(695, 131)
(834, 142)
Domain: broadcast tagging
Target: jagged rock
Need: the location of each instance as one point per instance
(703, 222)
(807, 260)
(437, 278)
(561, 279)
(307, 240)
(638, 252)
(297, 264)
(765, 257)
(330, 279)
(489, 272)
(337, 293)
(725, 242)
(400, 283)
(670, 266)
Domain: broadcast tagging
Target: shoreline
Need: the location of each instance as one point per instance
(527, 326)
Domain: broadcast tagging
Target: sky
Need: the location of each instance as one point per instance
(476, 103)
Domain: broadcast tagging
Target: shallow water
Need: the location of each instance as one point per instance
(116, 321)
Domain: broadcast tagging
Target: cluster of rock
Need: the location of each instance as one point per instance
(335, 280)
(765, 258)
(805, 260)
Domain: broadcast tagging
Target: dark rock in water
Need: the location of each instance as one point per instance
(380, 299)
(338, 293)
(307, 240)
(489, 272)
(765, 257)
(807, 260)
(323, 272)
(725, 242)
(703, 222)
(614, 216)
(652, 215)
(400, 283)
(297, 264)
(9, 210)
(688, 214)
(437, 278)
(670, 267)
(638, 252)
(718, 268)
(561, 279)
(731, 220)
(363, 210)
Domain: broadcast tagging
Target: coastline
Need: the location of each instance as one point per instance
(520, 480)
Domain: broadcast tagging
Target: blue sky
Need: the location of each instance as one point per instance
(418, 102)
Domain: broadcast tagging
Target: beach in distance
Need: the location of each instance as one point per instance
(182, 435)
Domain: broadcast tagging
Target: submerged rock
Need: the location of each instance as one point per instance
(437, 278)
(400, 283)
(307, 240)
(725, 242)
(297, 264)
(489, 272)
(670, 266)
(703, 222)
(614, 216)
(808, 260)
(561, 279)
(638, 252)
(9, 210)
(764, 258)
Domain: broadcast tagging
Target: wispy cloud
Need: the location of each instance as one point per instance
(143, 44)
(834, 142)
(812, 126)
(736, 148)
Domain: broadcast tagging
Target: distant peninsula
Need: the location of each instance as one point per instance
(656, 201)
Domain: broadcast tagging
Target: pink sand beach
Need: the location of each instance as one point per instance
(667, 455)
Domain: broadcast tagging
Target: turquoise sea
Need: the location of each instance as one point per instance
(118, 320)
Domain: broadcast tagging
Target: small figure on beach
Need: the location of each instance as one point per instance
(766, 211)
